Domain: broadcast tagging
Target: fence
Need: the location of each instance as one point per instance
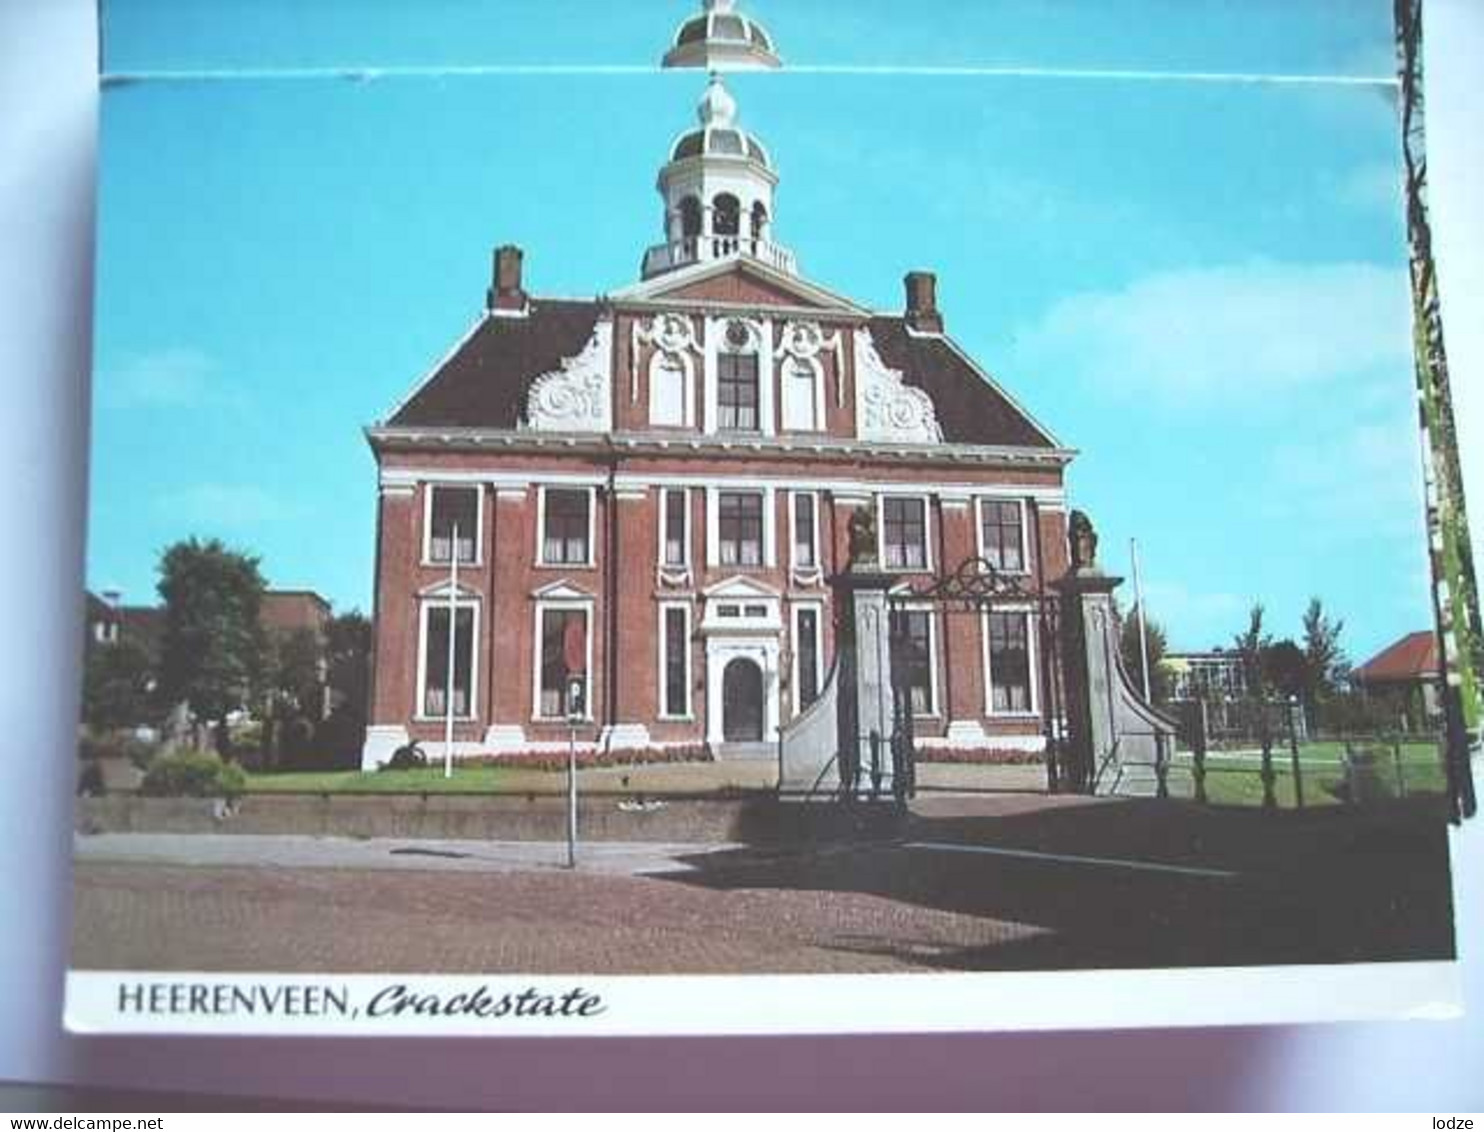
(1284, 766)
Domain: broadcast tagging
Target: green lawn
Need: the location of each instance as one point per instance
(1235, 780)
(427, 780)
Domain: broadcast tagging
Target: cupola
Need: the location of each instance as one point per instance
(718, 190)
(722, 39)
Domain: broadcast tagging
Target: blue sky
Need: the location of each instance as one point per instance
(1201, 286)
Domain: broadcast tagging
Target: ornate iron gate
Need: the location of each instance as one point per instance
(977, 586)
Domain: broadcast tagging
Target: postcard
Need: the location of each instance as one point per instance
(746, 518)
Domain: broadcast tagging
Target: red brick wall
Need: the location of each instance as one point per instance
(508, 574)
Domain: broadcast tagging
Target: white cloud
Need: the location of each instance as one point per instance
(1257, 328)
(169, 378)
(222, 505)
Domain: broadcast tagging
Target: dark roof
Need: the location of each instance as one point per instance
(970, 410)
(484, 383)
(1414, 657)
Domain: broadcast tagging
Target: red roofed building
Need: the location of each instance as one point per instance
(651, 488)
(1410, 673)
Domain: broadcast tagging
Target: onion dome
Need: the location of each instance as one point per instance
(722, 39)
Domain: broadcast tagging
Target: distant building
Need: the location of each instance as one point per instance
(1216, 676)
(1408, 673)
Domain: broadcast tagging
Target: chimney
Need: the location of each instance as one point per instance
(112, 598)
(506, 294)
(922, 302)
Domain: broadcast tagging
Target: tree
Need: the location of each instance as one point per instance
(294, 693)
(1284, 668)
(212, 648)
(1326, 666)
(1251, 645)
(117, 686)
(348, 657)
(1158, 643)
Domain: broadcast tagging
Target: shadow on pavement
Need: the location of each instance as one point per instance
(1087, 883)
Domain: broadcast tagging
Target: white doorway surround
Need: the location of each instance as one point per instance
(741, 621)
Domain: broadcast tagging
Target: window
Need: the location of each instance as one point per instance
(564, 654)
(739, 525)
(676, 549)
(737, 392)
(1002, 534)
(452, 509)
(436, 684)
(565, 528)
(912, 657)
(675, 661)
(904, 534)
(690, 217)
(800, 397)
(726, 215)
(806, 652)
(806, 556)
(759, 221)
(1009, 662)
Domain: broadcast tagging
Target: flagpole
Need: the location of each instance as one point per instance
(453, 636)
(1133, 549)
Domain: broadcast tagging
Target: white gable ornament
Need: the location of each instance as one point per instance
(669, 333)
(887, 408)
(576, 397)
(806, 341)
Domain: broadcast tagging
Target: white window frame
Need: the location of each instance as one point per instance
(816, 569)
(428, 489)
(687, 390)
(713, 526)
(1025, 531)
(927, 533)
(817, 607)
(761, 333)
(936, 707)
(816, 373)
(1025, 612)
(429, 603)
(664, 663)
(664, 518)
(592, 527)
(564, 604)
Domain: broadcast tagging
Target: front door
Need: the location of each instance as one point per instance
(742, 702)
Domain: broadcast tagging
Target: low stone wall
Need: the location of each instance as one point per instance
(461, 817)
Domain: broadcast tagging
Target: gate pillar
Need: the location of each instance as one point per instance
(1115, 740)
(864, 707)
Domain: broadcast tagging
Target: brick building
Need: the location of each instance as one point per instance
(651, 488)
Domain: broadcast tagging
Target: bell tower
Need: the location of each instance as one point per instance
(719, 182)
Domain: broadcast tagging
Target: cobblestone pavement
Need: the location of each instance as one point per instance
(162, 917)
(965, 884)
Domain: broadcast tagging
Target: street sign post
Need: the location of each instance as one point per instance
(576, 710)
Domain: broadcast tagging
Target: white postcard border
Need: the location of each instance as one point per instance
(245, 1004)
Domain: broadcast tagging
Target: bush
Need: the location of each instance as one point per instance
(193, 774)
(407, 757)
